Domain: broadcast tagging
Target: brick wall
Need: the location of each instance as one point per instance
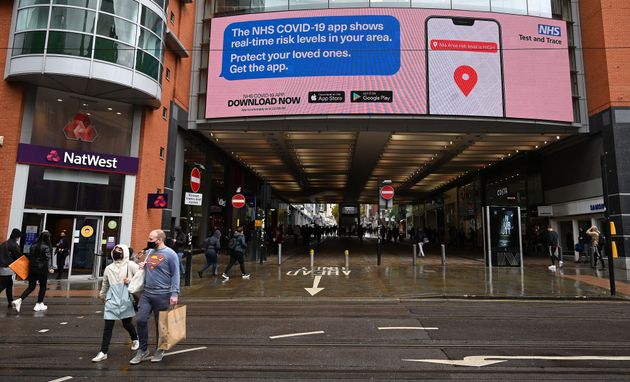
(11, 105)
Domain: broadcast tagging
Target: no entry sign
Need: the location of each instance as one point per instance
(387, 192)
(238, 201)
(195, 179)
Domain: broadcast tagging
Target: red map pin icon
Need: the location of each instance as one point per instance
(465, 78)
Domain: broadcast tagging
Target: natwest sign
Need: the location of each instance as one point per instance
(77, 160)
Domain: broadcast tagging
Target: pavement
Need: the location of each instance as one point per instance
(463, 275)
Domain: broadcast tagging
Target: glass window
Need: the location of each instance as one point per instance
(78, 3)
(539, 8)
(390, 3)
(152, 21)
(24, 3)
(443, 4)
(113, 51)
(29, 43)
(116, 28)
(150, 43)
(351, 3)
(32, 18)
(277, 5)
(72, 19)
(123, 8)
(148, 65)
(518, 7)
(74, 44)
(475, 5)
(307, 4)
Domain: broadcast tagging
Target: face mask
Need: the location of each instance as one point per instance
(117, 255)
(151, 244)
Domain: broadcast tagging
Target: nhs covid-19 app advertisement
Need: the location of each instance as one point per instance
(389, 61)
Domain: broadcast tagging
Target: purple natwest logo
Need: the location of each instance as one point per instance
(53, 156)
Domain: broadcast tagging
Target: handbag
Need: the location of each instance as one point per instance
(136, 284)
(20, 267)
(172, 327)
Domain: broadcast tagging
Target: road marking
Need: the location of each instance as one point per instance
(296, 334)
(314, 290)
(486, 360)
(98, 311)
(63, 323)
(347, 273)
(61, 379)
(43, 330)
(185, 351)
(406, 328)
(80, 316)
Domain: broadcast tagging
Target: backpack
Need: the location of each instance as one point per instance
(232, 243)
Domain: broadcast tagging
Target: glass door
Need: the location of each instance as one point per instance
(85, 245)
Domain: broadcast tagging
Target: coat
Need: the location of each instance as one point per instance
(118, 303)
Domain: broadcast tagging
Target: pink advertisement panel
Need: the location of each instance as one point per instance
(389, 61)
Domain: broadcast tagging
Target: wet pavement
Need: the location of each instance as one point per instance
(464, 275)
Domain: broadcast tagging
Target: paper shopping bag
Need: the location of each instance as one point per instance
(172, 327)
(20, 267)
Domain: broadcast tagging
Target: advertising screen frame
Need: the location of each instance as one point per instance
(502, 248)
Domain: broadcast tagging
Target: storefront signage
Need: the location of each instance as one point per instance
(598, 207)
(87, 231)
(76, 160)
(157, 200)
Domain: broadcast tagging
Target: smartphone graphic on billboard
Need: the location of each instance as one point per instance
(464, 67)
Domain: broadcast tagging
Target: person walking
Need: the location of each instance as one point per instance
(161, 291)
(9, 252)
(237, 248)
(63, 247)
(118, 303)
(179, 243)
(595, 235)
(552, 246)
(212, 244)
(39, 267)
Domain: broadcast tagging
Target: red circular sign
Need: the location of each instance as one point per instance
(238, 201)
(195, 179)
(387, 192)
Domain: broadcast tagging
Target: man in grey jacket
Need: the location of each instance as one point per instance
(161, 289)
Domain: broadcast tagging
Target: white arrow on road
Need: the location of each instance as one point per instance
(485, 360)
(314, 290)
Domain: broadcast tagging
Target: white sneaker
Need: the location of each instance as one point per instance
(225, 277)
(100, 357)
(246, 276)
(17, 303)
(40, 307)
(552, 268)
(135, 345)
(560, 264)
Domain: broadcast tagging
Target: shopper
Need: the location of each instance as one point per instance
(39, 259)
(161, 290)
(118, 302)
(595, 235)
(237, 248)
(552, 246)
(9, 252)
(212, 244)
(179, 243)
(63, 247)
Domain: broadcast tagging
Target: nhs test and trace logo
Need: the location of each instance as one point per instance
(549, 30)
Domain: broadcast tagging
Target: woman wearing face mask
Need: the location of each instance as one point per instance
(118, 303)
(39, 267)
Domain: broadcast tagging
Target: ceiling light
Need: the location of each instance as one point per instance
(110, 109)
(545, 142)
(557, 137)
(118, 113)
(536, 146)
(59, 100)
(85, 104)
(88, 113)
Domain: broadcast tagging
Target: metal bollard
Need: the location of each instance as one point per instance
(443, 254)
(279, 253)
(347, 253)
(312, 259)
(413, 261)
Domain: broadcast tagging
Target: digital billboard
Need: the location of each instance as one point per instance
(389, 61)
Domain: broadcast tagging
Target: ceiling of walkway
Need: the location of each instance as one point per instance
(337, 167)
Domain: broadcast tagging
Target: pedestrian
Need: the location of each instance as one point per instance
(236, 247)
(161, 290)
(9, 252)
(595, 235)
(63, 247)
(212, 244)
(553, 248)
(118, 302)
(39, 260)
(179, 243)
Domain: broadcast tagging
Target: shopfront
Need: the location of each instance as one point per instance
(75, 173)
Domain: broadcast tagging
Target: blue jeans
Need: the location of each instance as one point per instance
(150, 303)
(211, 261)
